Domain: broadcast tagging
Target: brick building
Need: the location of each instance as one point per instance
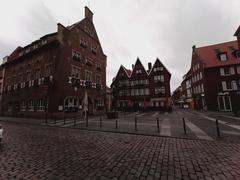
(141, 89)
(177, 96)
(215, 72)
(186, 91)
(59, 72)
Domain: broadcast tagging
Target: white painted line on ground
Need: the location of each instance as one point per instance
(155, 114)
(231, 117)
(165, 127)
(142, 114)
(197, 131)
(132, 114)
(222, 122)
(231, 133)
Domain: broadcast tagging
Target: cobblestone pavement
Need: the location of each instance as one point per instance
(41, 152)
(199, 125)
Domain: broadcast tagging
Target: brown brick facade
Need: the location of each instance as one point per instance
(57, 72)
(139, 89)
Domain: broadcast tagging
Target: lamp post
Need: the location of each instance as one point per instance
(75, 89)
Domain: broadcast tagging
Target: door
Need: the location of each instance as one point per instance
(224, 103)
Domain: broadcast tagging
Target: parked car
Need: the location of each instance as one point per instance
(1, 133)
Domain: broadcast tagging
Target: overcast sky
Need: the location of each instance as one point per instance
(127, 29)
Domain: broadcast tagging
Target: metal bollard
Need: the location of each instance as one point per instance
(184, 126)
(136, 123)
(116, 127)
(46, 118)
(218, 130)
(64, 120)
(100, 121)
(86, 120)
(158, 125)
(55, 119)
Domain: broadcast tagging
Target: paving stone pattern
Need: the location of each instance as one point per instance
(40, 152)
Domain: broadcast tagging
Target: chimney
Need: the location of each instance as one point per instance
(193, 47)
(88, 14)
(149, 66)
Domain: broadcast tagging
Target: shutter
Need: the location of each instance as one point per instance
(224, 86)
(232, 70)
(222, 71)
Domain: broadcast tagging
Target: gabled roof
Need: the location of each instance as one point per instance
(138, 61)
(237, 31)
(209, 57)
(154, 65)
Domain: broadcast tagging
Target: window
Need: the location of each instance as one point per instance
(83, 42)
(159, 90)
(200, 75)
(100, 103)
(158, 69)
(40, 105)
(223, 57)
(23, 106)
(88, 62)
(35, 46)
(159, 78)
(88, 76)
(98, 79)
(94, 50)
(30, 105)
(146, 91)
(44, 42)
(238, 69)
(76, 55)
(48, 70)
(28, 76)
(202, 88)
(71, 104)
(139, 71)
(37, 73)
(20, 77)
(98, 66)
(75, 72)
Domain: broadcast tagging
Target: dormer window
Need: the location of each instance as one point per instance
(44, 42)
(236, 53)
(27, 50)
(35, 46)
(223, 57)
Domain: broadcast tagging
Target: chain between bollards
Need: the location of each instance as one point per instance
(184, 126)
(136, 123)
(158, 125)
(218, 130)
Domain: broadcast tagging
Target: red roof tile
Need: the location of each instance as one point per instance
(208, 56)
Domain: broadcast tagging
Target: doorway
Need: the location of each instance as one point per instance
(224, 103)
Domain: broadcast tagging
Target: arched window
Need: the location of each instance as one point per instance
(71, 104)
